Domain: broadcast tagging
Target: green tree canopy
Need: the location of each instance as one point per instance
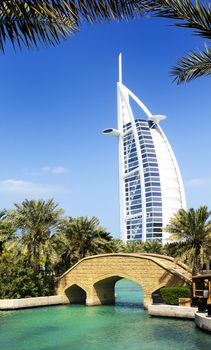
(6, 230)
(134, 247)
(35, 221)
(153, 246)
(192, 230)
(116, 246)
(79, 237)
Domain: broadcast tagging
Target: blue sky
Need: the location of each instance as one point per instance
(56, 101)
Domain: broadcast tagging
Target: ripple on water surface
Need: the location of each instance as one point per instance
(123, 326)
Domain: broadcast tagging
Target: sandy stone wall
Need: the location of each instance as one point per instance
(97, 275)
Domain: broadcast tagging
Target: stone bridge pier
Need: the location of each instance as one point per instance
(92, 280)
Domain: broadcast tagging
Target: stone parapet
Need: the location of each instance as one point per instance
(162, 310)
(202, 321)
(12, 304)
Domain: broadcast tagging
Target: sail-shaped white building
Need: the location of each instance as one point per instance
(151, 187)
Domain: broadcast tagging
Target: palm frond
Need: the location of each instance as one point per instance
(192, 230)
(93, 10)
(194, 65)
(196, 17)
(29, 22)
(26, 23)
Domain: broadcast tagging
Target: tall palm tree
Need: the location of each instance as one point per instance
(192, 229)
(189, 15)
(6, 231)
(80, 237)
(35, 222)
(28, 22)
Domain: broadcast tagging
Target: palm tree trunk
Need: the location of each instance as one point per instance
(196, 264)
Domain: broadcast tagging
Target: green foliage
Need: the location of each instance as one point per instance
(170, 249)
(194, 16)
(49, 242)
(150, 246)
(192, 66)
(79, 237)
(171, 295)
(6, 231)
(188, 15)
(19, 281)
(153, 246)
(192, 230)
(36, 220)
(134, 247)
(36, 243)
(116, 246)
(26, 23)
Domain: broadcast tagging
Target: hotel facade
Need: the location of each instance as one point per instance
(150, 183)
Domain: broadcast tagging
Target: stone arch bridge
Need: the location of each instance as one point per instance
(92, 280)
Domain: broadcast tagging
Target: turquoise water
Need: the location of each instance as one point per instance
(123, 326)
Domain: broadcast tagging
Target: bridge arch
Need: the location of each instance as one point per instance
(105, 288)
(75, 294)
(97, 275)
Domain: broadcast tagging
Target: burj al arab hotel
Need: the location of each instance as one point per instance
(151, 186)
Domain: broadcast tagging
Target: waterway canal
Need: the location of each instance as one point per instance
(125, 326)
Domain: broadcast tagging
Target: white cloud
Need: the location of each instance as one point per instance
(54, 170)
(20, 186)
(47, 170)
(198, 182)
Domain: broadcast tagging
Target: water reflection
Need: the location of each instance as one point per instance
(77, 327)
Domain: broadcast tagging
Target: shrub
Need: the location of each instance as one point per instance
(171, 295)
(18, 281)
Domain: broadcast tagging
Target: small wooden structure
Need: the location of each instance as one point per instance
(202, 287)
(185, 302)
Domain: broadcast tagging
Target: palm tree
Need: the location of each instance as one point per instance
(192, 229)
(153, 246)
(116, 246)
(134, 247)
(2, 230)
(6, 231)
(170, 249)
(28, 22)
(196, 17)
(80, 237)
(35, 222)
